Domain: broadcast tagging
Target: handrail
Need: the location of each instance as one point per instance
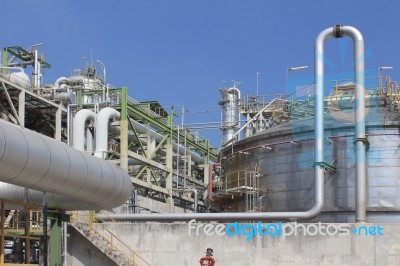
(115, 245)
(248, 122)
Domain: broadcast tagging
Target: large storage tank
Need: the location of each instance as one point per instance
(284, 156)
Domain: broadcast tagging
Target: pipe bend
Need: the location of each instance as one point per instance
(236, 90)
(78, 134)
(103, 117)
(61, 80)
(353, 33)
(323, 36)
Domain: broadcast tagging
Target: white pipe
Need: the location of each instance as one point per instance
(102, 120)
(78, 128)
(61, 80)
(32, 160)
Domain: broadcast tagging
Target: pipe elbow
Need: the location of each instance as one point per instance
(236, 90)
(314, 211)
(78, 133)
(353, 33)
(103, 117)
(61, 80)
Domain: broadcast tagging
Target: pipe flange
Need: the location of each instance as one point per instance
(338, 31)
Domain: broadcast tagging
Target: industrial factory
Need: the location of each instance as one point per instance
(91, 176)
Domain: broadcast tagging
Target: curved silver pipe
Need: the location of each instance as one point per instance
(337, 31)
(78, 128)
(237, 91)
(59, 81)
(195, 196)
(260, 202)
(32, 160)
(102, 120)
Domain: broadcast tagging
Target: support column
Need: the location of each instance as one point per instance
(21, 108)
(4, 60)
(206, 163)
(151, 146)
(3, 216)
(27, 235)
(124, 130)
(55, 239)
(169, 159)
(58, 125)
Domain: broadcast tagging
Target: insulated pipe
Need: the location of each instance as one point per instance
(102, 120)
(195, 196)
(54, 201)
(32, 160)
(59, 81)
(261, 216)
(78, 128)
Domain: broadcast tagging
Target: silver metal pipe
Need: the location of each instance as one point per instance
(103, 117)
(59, 81)
(318, 170)
(195, 196)
(360, 140)
(340, 31)
(78, 128)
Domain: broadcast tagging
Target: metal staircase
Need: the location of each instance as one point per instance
(109, 244)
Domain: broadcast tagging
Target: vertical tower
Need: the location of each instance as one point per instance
(230, 123)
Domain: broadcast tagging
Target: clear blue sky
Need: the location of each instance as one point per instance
(178, 52)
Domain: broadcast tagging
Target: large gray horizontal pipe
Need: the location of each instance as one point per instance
(32, 160)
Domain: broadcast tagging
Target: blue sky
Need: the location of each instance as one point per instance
(178, 51)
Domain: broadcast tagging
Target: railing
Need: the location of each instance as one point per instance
(115, 242)
(242, 182)
(255, 117)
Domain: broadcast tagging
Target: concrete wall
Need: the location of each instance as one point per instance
(81, 252)
(170, 244)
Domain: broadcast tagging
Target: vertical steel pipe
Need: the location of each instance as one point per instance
(340, 31)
